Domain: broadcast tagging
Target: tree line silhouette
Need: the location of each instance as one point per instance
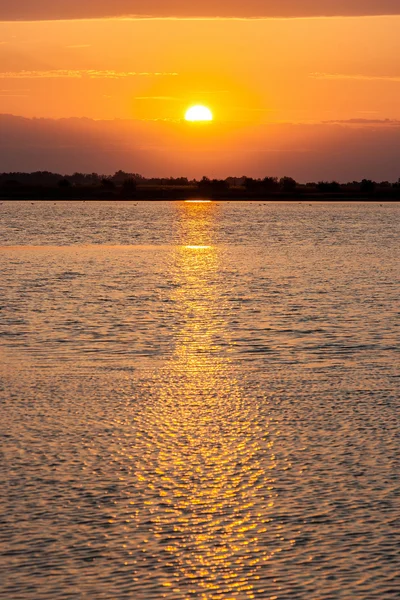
(47, 185)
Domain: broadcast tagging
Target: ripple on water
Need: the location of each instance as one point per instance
(195, 417)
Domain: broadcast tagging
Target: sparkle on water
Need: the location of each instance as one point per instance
(199, 400)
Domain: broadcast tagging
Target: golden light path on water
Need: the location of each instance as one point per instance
(206, 493)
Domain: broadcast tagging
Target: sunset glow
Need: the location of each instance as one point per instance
(131, 88)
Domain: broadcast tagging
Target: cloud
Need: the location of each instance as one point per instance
(307, 152)
(78, 74)
(355, 77)
(76, 9)
(390, 122)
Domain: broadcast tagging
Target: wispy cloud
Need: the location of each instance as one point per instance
(79, 46)
(356, 77)
(210, 92)
(81, 74)
(363, 122)
(157, 98)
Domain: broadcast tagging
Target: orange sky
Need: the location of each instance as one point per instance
(251, 73)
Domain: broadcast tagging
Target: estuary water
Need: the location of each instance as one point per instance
(199, 400)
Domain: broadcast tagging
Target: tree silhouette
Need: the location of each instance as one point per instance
(270, 183)
(107, 184)
(64, 183)
(287, 184)
(129, 188)
(328, 186)
(367, 186)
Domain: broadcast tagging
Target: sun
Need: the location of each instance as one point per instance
(198, 113)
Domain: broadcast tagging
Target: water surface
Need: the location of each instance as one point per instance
(199, 400)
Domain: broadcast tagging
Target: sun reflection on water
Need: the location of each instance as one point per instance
(198, 247)
(201, 472)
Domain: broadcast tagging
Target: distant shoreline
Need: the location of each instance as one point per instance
(44, 185)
